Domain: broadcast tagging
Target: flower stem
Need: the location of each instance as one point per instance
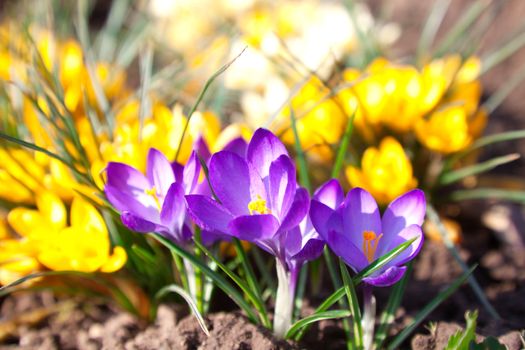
(284, 300)
(369, 315)
(181, 270)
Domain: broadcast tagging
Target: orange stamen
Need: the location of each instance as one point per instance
(370, 242)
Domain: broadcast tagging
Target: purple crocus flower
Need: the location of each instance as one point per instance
(356, 232)
(258, 200)
(237, 145)
(154, 202)
(257, 195)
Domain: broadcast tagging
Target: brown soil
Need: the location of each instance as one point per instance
(39, 321)
(442, 331)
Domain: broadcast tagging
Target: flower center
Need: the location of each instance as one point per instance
(370, 242)
(153, 193)
(258, 205)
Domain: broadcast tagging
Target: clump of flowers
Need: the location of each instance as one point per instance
(43, 240)
(151, 184)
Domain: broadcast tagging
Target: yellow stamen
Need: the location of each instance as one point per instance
(153, 192)
(370, 242)
(258, 205)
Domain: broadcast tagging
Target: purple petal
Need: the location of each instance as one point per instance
(311, 251)
(142, 205)
(138, 224)
(320, 215)
(298, 210)
(387, 278)
(346, 250)
(282, 186)
(237, 146)
(254, 227)
(257, 186)
(159, 171)
(263, 149)
(330, 193)
(360, 214)
(230, 180)
(406, 210)
(210, 237)
(178, 170)
(412, 231)
(192, 171)
(185, 235)
(174, 209)
(208, 214)
(201, 147)
(127, 179)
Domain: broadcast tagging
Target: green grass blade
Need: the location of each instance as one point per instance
(201, 96)
(34, 147)
(486, 141)
(382, 261)
(497, 98)
(432, 24)
(115, 291)
(220, 281)
(331, 300)
(343, 147)
(299, 294)
(450, 177)
(254, 298)
(351, 295)
(191, 303)
(471, 15)
(489, 193)
(265, 269)
(132, 43)
(146, 67)
(301, 159)
(250, 275)
(515, 43)
(83, 35)
(388, 315)
(327, 315)
(434, 217)
(421, 315)
(365, 41)
(108, 35)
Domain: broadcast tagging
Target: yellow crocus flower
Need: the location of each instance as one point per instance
(386, 172)
(386, 94)
(320, 121)
(46, 240)
(445, 131)
(162, 129)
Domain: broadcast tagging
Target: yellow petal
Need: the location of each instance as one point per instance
(25, 221)
(84, 215)
(22, 267)
(52, 209)
(14, 191)
(115, 261)
(3, 228)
